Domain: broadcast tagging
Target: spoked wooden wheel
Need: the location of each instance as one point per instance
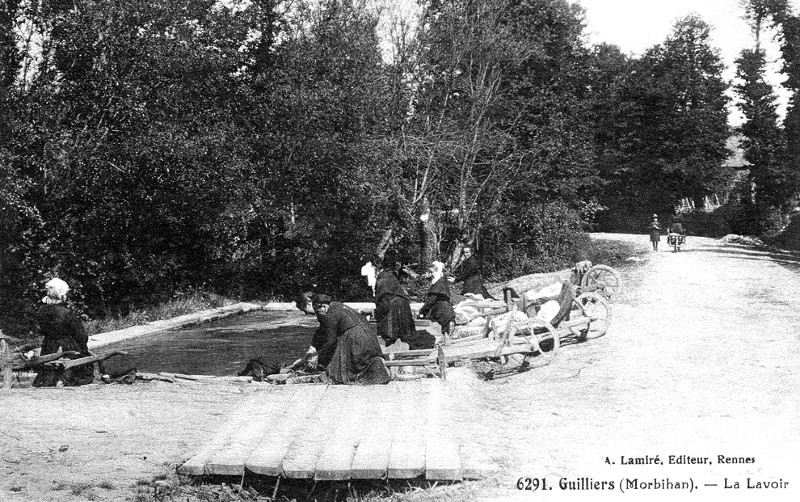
(598, 310)
(546, 340)
(603, 280)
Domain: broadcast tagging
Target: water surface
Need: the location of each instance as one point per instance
(223, 347)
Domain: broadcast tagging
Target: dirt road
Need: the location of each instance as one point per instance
(702, 360)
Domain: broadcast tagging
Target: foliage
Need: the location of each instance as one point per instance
(763, 142)
(497, 115)
(182, 302)
(717, 223)
(248, 148)
(666, 141)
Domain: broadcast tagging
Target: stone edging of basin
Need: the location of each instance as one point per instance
(102, 339)
(360, 306)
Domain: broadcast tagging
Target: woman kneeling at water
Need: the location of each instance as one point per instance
(346, 344)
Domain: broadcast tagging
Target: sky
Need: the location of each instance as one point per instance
(636, 25)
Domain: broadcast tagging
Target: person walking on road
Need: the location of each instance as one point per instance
(655, 232)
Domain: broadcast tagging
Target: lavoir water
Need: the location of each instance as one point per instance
(225, 346)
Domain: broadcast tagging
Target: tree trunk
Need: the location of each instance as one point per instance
(385, 243)
(428, 242)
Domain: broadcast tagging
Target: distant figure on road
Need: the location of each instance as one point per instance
(655, 232)
(677, 226)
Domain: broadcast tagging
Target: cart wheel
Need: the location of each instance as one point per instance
(548, 343)
(607, 280)
(596, 307)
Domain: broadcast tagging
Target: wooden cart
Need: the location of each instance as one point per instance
(533, 340)
(600, 279)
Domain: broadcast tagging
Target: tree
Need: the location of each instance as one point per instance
(763, 141)
(614, 116)
(781, 16)
(315, 107)
(757, 12)
(677, 144)
(496, 123)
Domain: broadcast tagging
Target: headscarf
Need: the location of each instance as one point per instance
(320, 299)
(438, 271)
(57, 291)
(369, 271)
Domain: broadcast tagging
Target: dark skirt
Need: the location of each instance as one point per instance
(442, 313)
(474, 286)
(395, 319)
(358, 359)
(655, 236)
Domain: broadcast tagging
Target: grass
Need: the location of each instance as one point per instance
(107, 485)
(179, 304)
(213, 488)
(83, 490)
(613, 252)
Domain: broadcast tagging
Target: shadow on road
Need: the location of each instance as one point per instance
(745, 254)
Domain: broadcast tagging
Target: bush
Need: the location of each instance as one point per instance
(717, 223)
(539, 238)
(788, 237)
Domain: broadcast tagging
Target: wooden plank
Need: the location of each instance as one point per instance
(336, 459)
(230, 459)
(442, 458)
(304, 451)
(371, 459)
(196, 465)
(69, 363)
(267, 457)
(412, 353)
(477, 352)
(411, 362)
(21, 364)
(407, 455)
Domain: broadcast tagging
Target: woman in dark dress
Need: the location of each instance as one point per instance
(393, 312)
(655, 232)
(347, 345)
(62, 330)
(437, 305)
(470, 275)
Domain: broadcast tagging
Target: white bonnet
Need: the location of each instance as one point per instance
(58, 286)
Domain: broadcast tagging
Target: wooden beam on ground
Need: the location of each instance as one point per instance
(22, 364)
(71, 363)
